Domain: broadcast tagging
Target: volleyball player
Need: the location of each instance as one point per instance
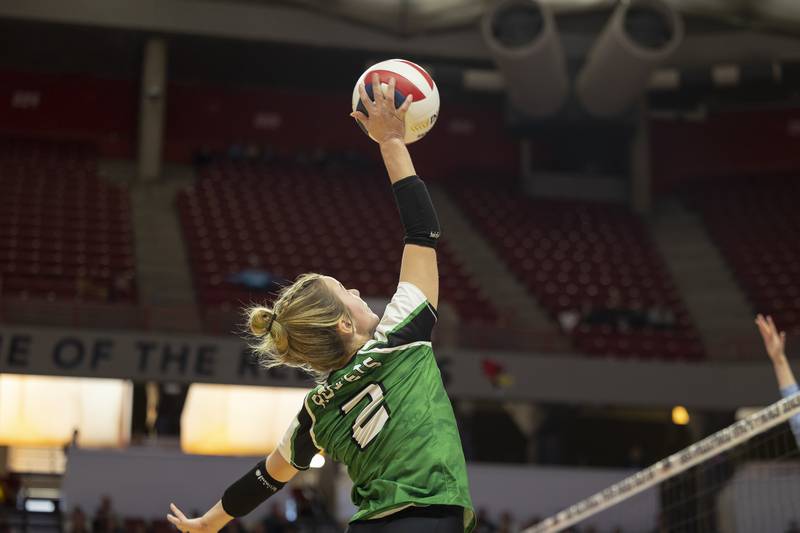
(775, 344)
(380, 406)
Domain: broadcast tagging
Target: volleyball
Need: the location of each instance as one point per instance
(410, 78)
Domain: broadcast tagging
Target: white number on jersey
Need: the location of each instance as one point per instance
(372, 418)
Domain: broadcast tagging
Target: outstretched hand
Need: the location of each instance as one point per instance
(187, 525)
(385, 121)
(774, 341)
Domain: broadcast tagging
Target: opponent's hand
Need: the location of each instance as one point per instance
(385, 121)
(774, 341)
(188, 525)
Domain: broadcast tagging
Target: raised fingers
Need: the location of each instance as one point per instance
(392, 84)
(361, 117)
(765, 336)
(377, 94)
(177, 511)
(771, 324)
(406, 104)
(365, 99)
(175, 521)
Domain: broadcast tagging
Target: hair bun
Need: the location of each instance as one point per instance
(258, 320)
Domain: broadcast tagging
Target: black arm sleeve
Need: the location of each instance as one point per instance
(416, 212)
(250, 491)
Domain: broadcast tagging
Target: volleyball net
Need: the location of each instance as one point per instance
(744, 478)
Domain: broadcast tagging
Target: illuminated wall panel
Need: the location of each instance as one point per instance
(44, 411)
(235, 420)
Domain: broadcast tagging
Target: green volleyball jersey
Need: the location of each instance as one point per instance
(387, 417)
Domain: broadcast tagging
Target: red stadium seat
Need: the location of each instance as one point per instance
(573, 255)
(288, 220)
(753, 220)
(56, 215)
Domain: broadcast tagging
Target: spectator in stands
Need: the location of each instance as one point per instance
(311, 509)
(276, 521)
(203, 157)
(236, 151)
(255, 276)
(775, 344)
(73, 442)
(9, 487)
(252, 152)
(121, 287)
(4, 496)
(485, 524)
(76, 522)
(623, 317)
(171, 397)
(571, 318)
(506, 524)
(267, 154)
(660, 317)
(613, 313)
(87, 289)
(105, 519)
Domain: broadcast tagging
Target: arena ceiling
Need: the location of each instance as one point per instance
(417, 16)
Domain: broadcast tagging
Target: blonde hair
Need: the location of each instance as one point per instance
(304, 330)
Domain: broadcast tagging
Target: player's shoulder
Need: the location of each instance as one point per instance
(409, 317)
(409, 294)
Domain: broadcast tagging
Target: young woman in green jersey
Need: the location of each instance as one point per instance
(380, 406)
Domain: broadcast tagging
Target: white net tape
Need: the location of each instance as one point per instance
(673, 465)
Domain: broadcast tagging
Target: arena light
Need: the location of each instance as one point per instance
(99, 409)
(680, 416)
(318, 461)
(639, 37)
(39, 506)
(523, 40)
(237, 420)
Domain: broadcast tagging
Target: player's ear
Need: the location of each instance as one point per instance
(345, 326)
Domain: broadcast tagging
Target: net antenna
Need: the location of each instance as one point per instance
(725, 439)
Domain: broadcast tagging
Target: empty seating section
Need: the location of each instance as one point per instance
(65, 234)
(579, 258)
(755, 223)
(287, 219)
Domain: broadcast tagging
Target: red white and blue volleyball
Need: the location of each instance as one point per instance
(410, 78)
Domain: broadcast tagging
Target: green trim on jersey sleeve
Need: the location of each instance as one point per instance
(299, 444)
(409, 318)
(293, 459)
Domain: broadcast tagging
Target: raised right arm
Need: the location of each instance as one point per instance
(386, 124)
(419, 265)
(775, 344)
